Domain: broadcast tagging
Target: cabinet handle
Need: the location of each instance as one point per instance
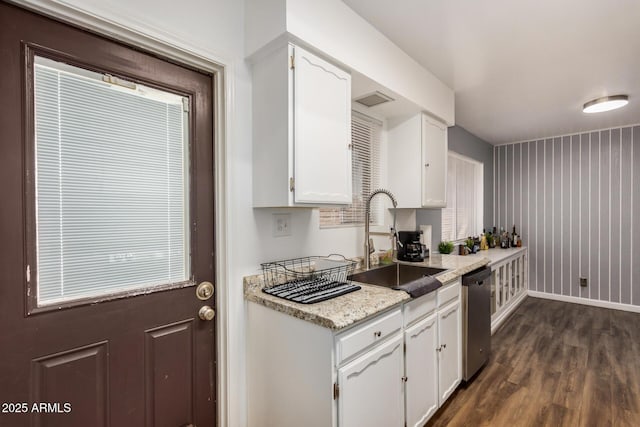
(426, 164)
(377, 334)
(444, 346)
(404, 379)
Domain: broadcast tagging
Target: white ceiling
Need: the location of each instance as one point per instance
(521, 69)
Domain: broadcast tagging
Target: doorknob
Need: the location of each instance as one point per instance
(204, 291)
(206, 313)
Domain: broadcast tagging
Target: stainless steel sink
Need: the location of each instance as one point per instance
(393, 275)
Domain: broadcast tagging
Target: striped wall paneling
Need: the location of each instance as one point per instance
(576, 202)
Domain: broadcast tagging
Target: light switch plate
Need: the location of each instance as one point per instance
(281, 224)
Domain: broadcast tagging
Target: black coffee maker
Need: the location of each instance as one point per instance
(409, 247)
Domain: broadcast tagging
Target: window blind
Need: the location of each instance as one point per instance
(365, 140)
(462, 216)
(111, 185)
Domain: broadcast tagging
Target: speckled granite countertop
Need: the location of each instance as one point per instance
(336, 313)
(345, 310)
(496, 255)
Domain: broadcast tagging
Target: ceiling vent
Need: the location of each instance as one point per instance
(373, 99)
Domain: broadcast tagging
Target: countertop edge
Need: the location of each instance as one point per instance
(357, 308)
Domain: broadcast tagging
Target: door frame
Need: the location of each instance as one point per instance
(172, 47)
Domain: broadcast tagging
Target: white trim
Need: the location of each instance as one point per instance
(561, 217)
(563, 135)
(620, 159)
(585, 301)
(553, 216)
(589, 210)
(536, 210)
(544, 215)
(172, 46)
(528, 196)
(506, 190)
(611, 219)
(580, 211)
(498, 320)
(513, 186)
(520, 226)
(599, 211)
(494, 185)
(571, 215)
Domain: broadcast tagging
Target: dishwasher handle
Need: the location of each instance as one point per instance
(477, 276)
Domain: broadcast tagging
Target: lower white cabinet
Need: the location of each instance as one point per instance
(421, 365)
(433, 355)
(449, 350)
(394, 369)
(371, 388)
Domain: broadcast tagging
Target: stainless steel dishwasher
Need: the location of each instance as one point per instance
(476, 321)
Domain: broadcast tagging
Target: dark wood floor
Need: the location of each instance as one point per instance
(555, 364)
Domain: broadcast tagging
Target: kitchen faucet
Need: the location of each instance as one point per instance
(367, 214)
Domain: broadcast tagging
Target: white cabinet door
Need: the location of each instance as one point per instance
(434, 156)
(450, 354)
(371, 388)
(421, 367)
(321, 131)
(417, 161)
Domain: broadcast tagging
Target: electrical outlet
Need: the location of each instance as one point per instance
(583, 282)
(281, 225)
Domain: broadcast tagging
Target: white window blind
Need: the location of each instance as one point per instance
(365, 139)
(111, 185)
(463, 215)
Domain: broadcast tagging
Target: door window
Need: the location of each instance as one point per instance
(111, 184)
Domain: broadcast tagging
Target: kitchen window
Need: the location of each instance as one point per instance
(365, 157)
(463, 215)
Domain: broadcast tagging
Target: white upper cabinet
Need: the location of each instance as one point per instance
(301, 130)
(434, 160)
(418, 162)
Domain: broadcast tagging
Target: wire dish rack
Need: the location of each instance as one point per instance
(309, 280)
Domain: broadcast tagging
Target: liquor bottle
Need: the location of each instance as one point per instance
(483, 241)
(504, 238)
(514, 237)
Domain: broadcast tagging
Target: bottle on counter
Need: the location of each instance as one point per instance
(491, 238)
(483, 241)
(514, 237)
(504, 238)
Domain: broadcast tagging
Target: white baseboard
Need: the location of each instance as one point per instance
(500, 318)
(586, 301)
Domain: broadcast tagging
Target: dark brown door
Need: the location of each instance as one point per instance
(104, 337)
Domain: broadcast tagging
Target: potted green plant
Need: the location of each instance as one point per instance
(445, 247)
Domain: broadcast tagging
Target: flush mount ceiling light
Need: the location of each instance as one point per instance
(605, 103)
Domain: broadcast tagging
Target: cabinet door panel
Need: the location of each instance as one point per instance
(322, 131)
(434, 154)
(371, 388)
(421, 366)
(450, 355)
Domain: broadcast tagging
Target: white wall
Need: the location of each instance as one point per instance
(575, 200)
(214, 30)
(336, 30)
